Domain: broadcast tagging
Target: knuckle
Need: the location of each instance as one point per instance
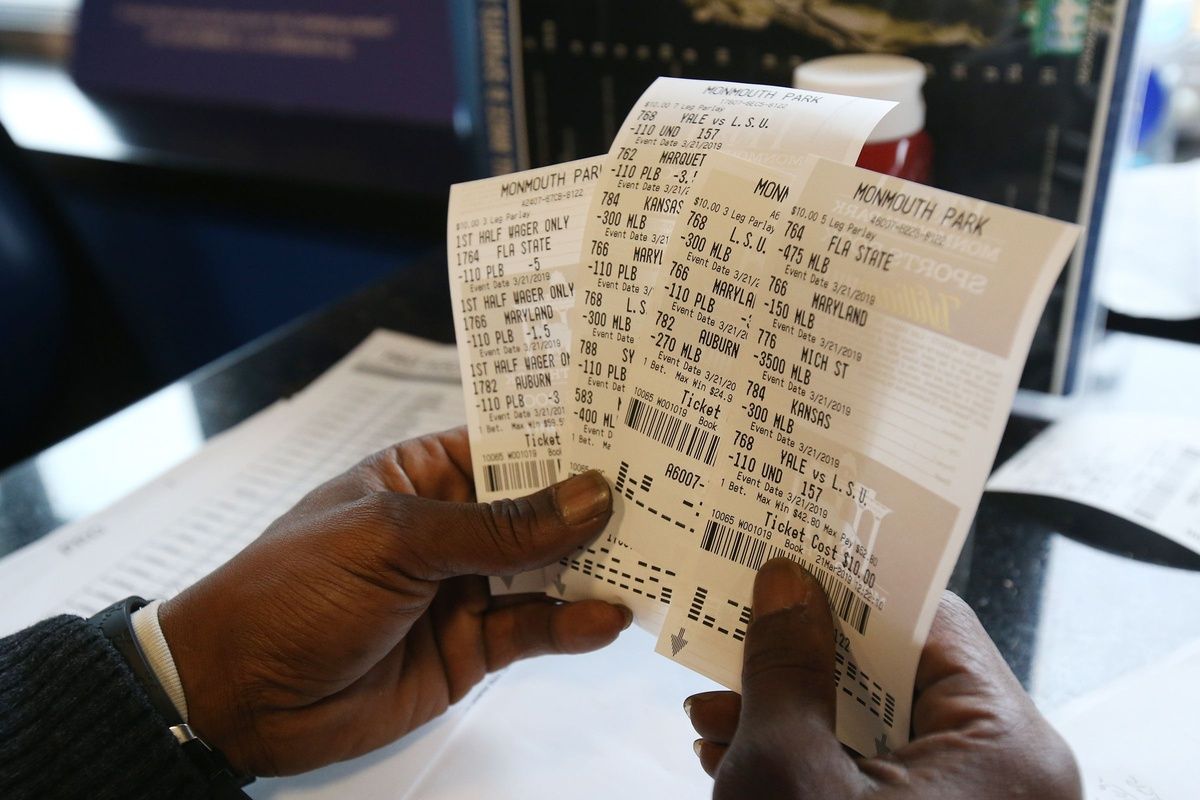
(955, 606)
(957, 621)
(393, 468)
(396, 530)
(385, 509)
(509, 527)
(370, 472)
(771, 646)
(1049, 767)
(378, 503)
(756, 768)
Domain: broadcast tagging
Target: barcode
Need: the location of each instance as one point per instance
(752, 552)
(683, 437)
(517, 476)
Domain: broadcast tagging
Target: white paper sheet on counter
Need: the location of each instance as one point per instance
(1130, 736)
(1141, 467)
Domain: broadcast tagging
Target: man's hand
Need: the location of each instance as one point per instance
(360, 614)
(976, 734)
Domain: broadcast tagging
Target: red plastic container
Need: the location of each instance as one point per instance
(899, 144)
(909, 157)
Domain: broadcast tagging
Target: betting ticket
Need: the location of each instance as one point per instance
(829, 363)
(658, 152)
(513, 252)
(513, 246)
(675, 127)
(773, 356)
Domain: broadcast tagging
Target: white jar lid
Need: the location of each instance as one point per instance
(885, 77)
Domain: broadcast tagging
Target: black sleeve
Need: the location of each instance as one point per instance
(75, 723)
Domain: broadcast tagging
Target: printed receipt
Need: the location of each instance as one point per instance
(513, 245)
(1141, 467)
(674, 128)
(663, 145)
(829, 365)
(513, 251)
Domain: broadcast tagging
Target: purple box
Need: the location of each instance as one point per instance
(350, 57)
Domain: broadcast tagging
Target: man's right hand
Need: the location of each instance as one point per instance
(976, 733)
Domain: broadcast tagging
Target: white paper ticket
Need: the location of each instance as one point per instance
(1144, 468)
(513, 252)
(658, 152)
(662, 146)
(828, 367)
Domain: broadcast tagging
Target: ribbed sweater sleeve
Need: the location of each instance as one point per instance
(75, 723)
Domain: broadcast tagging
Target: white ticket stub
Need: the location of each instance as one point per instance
(513, 251)
(670, 133)
(657, 154)
(513, 245)
(1144, 468)
(828, 367)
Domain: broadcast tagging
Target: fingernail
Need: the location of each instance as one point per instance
(687, 707)
(781, 584)
(696, 746)
(627, 613)
(583, 497)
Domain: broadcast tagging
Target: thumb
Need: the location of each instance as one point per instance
(787, 665)
(788, 692)
(433, 539)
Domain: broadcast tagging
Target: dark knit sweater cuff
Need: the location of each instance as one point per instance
(74, 722)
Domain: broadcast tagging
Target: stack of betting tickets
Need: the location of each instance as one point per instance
(767, 351)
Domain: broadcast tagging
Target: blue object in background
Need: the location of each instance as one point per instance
(1156, 100)
(193, 283)
(379, 58)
